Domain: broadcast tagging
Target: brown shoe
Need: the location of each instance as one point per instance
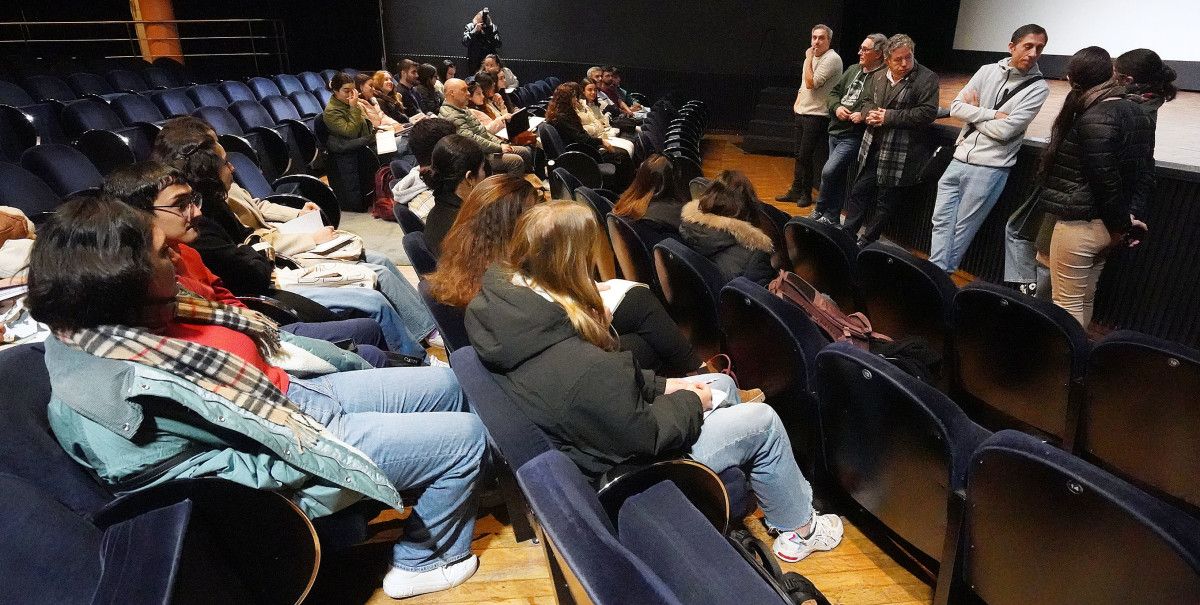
(752, 396)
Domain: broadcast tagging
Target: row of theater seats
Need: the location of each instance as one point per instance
(894, 452)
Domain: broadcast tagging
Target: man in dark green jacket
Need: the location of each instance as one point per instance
(846, 127)
(513, 159)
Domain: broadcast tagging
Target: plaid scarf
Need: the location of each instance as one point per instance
(211, 369)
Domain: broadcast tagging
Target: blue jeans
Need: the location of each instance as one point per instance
(751, 434)
(414, 424)
(966, 194)
(1020, 262)
(843, 150)
(371, 302)
(404, 298)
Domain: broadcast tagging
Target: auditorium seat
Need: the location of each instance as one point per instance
(631, 246)
(283, 111)
(690, 286)
(45, 87)
(905, 296)
(138, 110)
(423, 260)
(1140, 415)
(207, 95)
(1019, 361)
(1043, 526)
(287, 84)
(179, 76)
(158, 78)
(68, 540)
(269, 151)
(297, 141)
(291, 190)
(772, 345)
(92, 85)
(563, 184)
(606, 263)
(311, 81)
(577, 159)
(326, 76)
(307, 104)
(826, 257)
(262, 87)
(24, 191)
(450, 320)
(323, 95)
(124, 80)
(103, 137)
(897, 448)
(63, 168)
(235, 91)
(174, 102)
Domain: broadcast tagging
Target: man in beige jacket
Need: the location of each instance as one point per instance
(822, 67)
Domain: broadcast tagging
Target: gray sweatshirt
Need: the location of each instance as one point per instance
(984, 140)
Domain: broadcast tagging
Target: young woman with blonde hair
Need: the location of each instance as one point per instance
(540, 325)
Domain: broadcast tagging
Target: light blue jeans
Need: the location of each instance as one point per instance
(371, 302)
(752, 435)
(414, 424)
(966, 194)
(404, 298)
(1020, 263)
(843, 150)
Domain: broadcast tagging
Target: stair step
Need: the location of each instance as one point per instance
(772, 128)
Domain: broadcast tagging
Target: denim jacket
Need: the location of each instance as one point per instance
(136, 426)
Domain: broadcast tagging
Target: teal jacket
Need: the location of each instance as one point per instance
(136, 426)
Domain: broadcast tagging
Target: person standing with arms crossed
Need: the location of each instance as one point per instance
(997, 104)
(822, 66)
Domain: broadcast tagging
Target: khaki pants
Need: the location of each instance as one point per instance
(1077, 253)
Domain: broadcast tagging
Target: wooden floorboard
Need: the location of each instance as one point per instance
(856, 573)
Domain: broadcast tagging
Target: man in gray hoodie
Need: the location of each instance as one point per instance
(997, 105)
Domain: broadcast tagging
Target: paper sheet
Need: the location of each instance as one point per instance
(385, 142)
(305, 223)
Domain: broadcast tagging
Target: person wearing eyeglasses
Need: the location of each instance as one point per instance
(846, 127)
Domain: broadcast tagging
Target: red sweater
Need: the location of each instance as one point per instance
(193, 274)
(232, 342)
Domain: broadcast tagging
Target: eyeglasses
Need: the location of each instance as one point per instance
(192, 199)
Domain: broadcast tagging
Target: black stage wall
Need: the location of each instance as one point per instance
(722, 52)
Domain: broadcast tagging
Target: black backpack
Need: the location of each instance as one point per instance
(791, 585)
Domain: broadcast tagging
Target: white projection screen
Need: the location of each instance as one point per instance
(1166, 26)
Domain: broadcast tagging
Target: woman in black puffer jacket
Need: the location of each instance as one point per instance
(721, 227)
(1100, 158)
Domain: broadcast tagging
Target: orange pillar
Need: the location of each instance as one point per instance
(156, 39)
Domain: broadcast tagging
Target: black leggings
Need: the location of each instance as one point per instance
(652, 336)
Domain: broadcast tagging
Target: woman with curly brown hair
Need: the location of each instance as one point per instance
(562, 115)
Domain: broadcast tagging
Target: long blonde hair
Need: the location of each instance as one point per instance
(554, 248)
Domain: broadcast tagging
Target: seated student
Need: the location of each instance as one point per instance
(406, 74)
(246, 272)
(17, 234)
(446, 70)
(348, 125)
(426, 89)
(497, 102)
(561, 114)
(480, 237)
(540, 326)
(411, 190)
(162, 193)
(212, 402)
(513, 159)
(612, 91)
(721, 227)
(625, 96)
(654, 200)
(456, 167)
(493, 66)
(483, 110)
(370, 106)
(596, 122)
(388, 97)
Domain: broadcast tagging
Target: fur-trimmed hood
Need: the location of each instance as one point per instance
(741, 232)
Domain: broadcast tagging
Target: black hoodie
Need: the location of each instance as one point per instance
(595, 405)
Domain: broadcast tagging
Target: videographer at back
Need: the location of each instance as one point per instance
(481, 38)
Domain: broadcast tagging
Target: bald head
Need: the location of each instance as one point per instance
(456, 92)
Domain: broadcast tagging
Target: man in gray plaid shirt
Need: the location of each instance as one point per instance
(895, 146)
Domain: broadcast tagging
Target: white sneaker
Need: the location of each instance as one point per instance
(826, 535)
(434, 362)
(435, 340)
(400, 584)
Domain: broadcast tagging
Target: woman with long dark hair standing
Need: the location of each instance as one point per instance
(1100, 158)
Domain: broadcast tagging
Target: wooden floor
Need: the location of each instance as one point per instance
(856, 573)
